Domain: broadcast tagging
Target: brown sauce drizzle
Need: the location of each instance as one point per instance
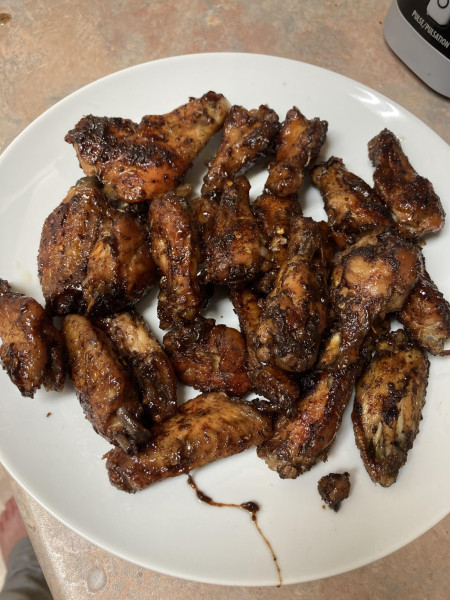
(251, 507)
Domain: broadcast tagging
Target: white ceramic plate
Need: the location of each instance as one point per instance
(58, 458)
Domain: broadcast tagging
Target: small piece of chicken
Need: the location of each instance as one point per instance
(247, 136)
(295, 312)
(276, 385)
(176, 251)
(274, 215)
(31, 348)
(206, 428)
(152, 370)
(235, 252)
(209, 357)
(410, 196)
(353, 208)
(334, 488)
(103, 385)
(388, 406)
(298, 146)
(93, 257)
(139, 162)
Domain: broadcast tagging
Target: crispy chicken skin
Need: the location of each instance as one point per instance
(235, 252)
(426, 315)
(278, 387)
(247, 135)
(410, 196)
(298, 147)
(138, 162)
(31, 348)
(103, 385)
(295, 312)
(206, 428)
(353, 208)
(176, 251)
(152, 370)
(209, 357)
(93, 257)
(388, 406)
(204, 213)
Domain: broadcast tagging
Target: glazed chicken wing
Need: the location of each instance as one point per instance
(152, 370)
(246, 136)
(206, 428)
(298, 147)
(176, 252)
(31, 348)
(388, 406)
(295, 312)
(235, 252)
(137, 162)
(103, 385)
(93, 257)
(276, 385)
(410, 196)
(209, 357)
(353, 208)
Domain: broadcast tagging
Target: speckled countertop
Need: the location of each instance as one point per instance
(49, 49)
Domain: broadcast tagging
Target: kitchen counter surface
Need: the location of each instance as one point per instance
(48, 50)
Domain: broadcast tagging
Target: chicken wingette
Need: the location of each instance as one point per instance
(207, 428)
(138, 162)
(388, 406)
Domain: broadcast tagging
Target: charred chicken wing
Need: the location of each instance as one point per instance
(410, 196)
(206, 428)
(137, 162)
(388, 406)
(31, 348)
(152, 370)
(103, 385)
(209, 357)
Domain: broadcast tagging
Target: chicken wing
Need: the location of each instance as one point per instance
(103, 385)
(209, 357)
(235, 252)
(246, 136)
(276, 385)
(152, 370)
(31, 348)
(93, 257)
(138, 162)
(388, 406)
(353, 208)
(410, 196)
(206, 428)
(298, 147)
(295, 312)
(176, 251)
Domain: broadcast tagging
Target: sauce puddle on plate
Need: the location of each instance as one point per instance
(250, 507)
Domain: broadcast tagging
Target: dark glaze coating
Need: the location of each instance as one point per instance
(209, 357)
(426, 315)
(334, 488)
(93, 258)
(298, 146)
(235, 251)
(31, 348)
(353, 208)
(139, 162)
(276, 385)
(206, 428)
(247, 135)
(103, 385)
(410, 196)
(176, 251)
(388, 406)
(295, 313)
(152, 370)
